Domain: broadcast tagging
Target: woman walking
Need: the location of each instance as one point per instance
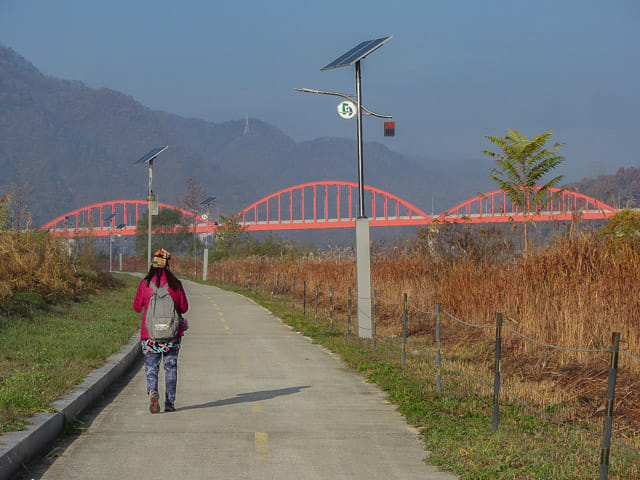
(155, 351)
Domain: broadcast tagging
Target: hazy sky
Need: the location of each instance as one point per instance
(453, 72)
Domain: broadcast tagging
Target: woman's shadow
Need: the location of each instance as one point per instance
(248, 397)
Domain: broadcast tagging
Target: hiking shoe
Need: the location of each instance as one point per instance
(168, 407)
(154, 402)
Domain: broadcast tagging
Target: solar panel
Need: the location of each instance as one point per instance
(151, 155)
(207, 201)
(357, 53)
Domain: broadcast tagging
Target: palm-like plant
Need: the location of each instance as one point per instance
(520, 166)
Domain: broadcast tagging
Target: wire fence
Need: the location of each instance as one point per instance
(314, 299)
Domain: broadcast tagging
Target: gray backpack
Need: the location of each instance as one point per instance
(162, 317)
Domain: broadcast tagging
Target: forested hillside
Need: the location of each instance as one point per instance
(620, 190)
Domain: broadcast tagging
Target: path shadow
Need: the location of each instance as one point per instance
(247, 397)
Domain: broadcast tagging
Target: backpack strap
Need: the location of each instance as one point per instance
(144, 310)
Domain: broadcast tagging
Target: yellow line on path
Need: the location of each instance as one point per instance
(261, 446)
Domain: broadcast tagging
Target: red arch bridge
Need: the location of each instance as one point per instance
(328, 205)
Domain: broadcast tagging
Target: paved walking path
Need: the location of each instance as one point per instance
(255, 401)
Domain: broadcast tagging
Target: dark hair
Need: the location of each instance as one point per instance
(156, 272)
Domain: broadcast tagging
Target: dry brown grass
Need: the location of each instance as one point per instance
(573, 294)
(36, 268)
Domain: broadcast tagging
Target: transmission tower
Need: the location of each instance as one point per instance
(246, 125)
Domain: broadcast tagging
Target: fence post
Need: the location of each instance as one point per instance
(304, 299)
(404, 329)
(349, 314)
(608, 419)
(438, 355)
(293, 293)
(315, 312)
(273, 282)
(373, 320)
(330, 308)
(496, 379)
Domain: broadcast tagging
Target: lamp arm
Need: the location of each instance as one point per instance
(346, 97)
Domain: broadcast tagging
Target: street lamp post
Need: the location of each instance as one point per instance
(151, 198)
(110, 219)
(363, 253)
(206, 216)
(207, 203)
(66, 231)
(119, 228)
(195, 251)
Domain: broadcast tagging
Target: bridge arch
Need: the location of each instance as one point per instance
(327, 204)
(91, 219)
(496, 206)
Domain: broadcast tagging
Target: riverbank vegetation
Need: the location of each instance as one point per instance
(60, 318)
(573, 293)
(561, 305)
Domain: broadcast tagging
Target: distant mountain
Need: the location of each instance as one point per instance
(619, 190)
(74, 146)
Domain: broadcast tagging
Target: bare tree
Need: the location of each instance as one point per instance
(195, 194)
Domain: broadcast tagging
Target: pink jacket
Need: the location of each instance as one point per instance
(144, 295)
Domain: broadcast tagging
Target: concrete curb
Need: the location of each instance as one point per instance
(43, 429)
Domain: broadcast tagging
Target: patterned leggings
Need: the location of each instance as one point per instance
(152, 367)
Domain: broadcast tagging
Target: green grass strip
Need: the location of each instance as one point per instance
(43, 357)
